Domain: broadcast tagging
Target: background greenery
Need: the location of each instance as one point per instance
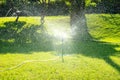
(57, 7)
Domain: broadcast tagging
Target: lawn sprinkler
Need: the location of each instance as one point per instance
(62, 36)
(62, 56)
(15, 12)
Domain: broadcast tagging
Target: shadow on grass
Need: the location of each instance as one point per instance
(112, 19)
(21, 37)
(94, 49)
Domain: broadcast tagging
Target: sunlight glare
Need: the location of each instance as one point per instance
(60, 34)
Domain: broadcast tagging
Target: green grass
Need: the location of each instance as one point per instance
(75, 67)
(88, 60)
(104, 26)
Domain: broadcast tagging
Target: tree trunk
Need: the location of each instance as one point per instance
(78, 20)
(43, 11)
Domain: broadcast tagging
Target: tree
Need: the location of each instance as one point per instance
(44, 6)
(43, 10)
(107, 6)
(78, 20)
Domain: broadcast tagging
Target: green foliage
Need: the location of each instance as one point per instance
(90, 3)
(2, 2)
(56, 7)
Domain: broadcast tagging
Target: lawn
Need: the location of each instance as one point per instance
(30, 51)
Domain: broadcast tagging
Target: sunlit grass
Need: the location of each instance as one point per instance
(104, 26)
(75, 67)
(30, 20)
(92, 62)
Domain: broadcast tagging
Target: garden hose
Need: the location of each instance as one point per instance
(28, 61)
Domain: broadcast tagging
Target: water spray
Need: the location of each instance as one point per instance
(8, 12)
(62, 36)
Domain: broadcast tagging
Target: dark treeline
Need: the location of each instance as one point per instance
(105, 6)
(58, 7)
